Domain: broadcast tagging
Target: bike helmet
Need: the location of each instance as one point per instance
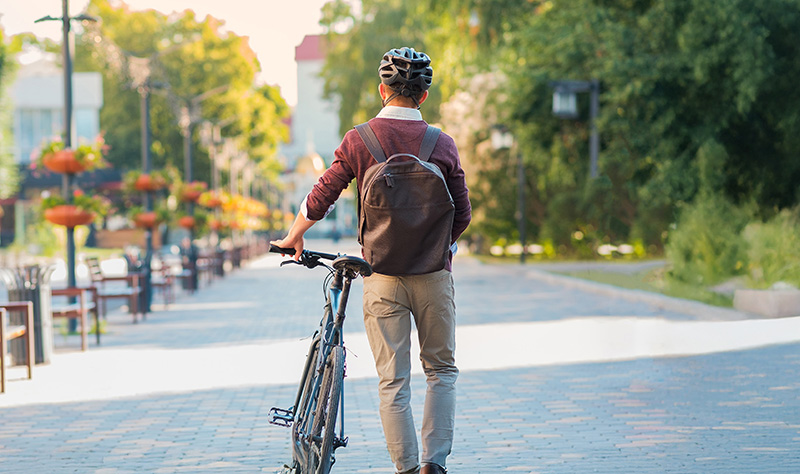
(407, 72)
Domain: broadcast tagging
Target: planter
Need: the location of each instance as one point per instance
(768, 303)
(146, 220)
(63, 161)
(145, 182)
(68, 215)
(190, 195)
(187, 222)
(213, 202)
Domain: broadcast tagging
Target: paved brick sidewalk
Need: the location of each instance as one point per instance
(208, 374)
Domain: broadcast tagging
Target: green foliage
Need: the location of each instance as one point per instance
(188, 58)
(8, 171)
(461, 37)
(774, 250)
(88, 154)
(97, 204)
(706, 246)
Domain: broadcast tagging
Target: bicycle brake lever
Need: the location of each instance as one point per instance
(287, 262)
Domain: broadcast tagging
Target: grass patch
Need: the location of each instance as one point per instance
(61, 326)
(654, 280)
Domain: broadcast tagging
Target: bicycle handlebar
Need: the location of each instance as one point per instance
(309, 258)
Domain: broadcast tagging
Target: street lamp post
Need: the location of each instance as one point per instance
(565, 106)
(144, 90)
(503, 139)
(189, 116)
(67, 179)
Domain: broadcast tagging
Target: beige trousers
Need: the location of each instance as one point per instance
(389, 304)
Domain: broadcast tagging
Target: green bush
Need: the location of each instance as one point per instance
(774, 250)
(706, 246)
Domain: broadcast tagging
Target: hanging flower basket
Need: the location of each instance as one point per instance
(146, 182)
(63, 161)
(210, 199)
(191, 192)
(190, 196)
(146, 220)
(68, 215)
(187, 222)
(55, 156)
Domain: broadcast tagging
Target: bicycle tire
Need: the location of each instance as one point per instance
(299, 427)
(324, 429)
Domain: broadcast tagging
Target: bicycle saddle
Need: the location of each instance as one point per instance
(358, 265)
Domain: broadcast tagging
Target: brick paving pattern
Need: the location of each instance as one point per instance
(727, 412)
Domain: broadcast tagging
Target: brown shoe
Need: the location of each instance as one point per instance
(432, 468)
(412, 471)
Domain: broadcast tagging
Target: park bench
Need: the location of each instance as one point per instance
(205, 269)
(162, 280)
(9, 332)
(79, 310)
(187, 275)
(131, 291)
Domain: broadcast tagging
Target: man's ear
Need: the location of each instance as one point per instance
(382, 91)
(423, 98)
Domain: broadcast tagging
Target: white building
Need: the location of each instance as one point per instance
(314, 129)
(37, 98)
(315, 120)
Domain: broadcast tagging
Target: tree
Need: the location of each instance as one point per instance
(8, 168)
(188, 57)
(675, 77)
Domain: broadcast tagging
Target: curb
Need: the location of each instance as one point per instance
(703, 311)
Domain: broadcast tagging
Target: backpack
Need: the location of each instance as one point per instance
(406, 211)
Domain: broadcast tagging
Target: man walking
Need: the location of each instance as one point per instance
(410, 246)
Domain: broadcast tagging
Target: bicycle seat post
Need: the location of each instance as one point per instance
(337, 280)
(344, 297)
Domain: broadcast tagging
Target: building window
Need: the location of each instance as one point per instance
(34, 127)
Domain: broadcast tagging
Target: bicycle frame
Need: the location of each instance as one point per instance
(319, 403)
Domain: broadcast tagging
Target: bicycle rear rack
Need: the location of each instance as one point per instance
(281, 417)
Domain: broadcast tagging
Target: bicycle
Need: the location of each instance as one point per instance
(319, 403)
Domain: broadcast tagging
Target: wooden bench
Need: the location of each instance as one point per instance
(131, 292)
(162, 280)
(79, 310)
(8, 332)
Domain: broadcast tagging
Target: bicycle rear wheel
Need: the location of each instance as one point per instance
(324, 428)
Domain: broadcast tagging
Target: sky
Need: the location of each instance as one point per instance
(275, 27)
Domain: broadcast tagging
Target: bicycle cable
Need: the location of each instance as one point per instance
(326, 283)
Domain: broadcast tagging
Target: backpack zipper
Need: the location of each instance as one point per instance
(389, 180)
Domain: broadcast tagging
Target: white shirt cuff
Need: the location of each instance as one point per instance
(304, 209)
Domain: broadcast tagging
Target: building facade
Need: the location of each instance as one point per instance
(314, 129)
(37, 102)
(37, 97)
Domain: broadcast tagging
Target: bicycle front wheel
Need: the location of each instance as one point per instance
(323, 431)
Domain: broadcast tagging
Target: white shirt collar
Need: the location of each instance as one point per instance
(399, 113)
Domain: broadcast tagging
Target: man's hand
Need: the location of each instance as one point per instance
(288, 243)
(294, 240)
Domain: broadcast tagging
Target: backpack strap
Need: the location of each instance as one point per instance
(428, 143)
(371, 141)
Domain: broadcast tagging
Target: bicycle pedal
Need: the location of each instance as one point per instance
(287, 470)
(280, 417)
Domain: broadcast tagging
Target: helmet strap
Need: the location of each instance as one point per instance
(404, 93)
(390, 98)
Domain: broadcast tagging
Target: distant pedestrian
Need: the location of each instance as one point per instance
(411, 256)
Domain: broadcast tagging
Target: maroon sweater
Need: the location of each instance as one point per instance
(396, 136)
